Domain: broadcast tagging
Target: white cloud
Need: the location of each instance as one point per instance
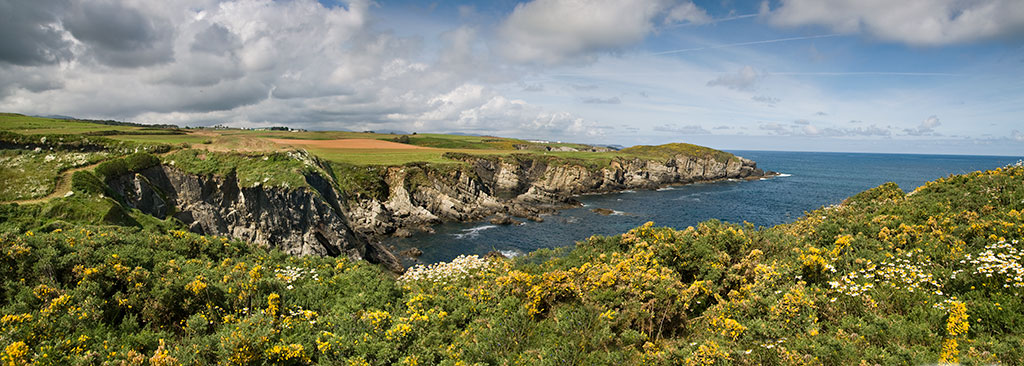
(927, 127)
(255, 62)
(745, 79)
(916, 22)
(765, 99)
(692, 129)
(595, 100)
(807, 128)
(560, 31)
(687, 13)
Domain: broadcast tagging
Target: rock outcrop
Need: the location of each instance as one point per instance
(521, 186)
(306, 221)
(317, 219)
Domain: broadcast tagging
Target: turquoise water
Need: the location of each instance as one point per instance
(809, 181)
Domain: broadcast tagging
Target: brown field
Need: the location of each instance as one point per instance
(350, 144)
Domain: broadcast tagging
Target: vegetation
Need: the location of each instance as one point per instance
(670, 150)
(885, 278)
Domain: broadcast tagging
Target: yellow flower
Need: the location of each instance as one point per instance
(15, 354)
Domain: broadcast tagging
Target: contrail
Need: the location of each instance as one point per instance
(713, 21)
(747, 43)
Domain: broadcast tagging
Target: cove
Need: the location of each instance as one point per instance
(809, 181)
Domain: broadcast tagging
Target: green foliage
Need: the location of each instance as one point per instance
(130, 164)
(671, 150)
(286, 169)
(86, 182)
(886, 278)
(31, 174)
(361, 182)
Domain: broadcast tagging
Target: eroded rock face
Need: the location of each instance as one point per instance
(306, 221)
(522, 187)
(317, 220)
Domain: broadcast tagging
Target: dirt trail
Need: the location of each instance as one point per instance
(62, 187)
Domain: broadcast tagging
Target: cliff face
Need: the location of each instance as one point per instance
(522, 187)
(317, 220)
(305, 221)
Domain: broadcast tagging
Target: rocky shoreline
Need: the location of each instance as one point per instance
(320, 220)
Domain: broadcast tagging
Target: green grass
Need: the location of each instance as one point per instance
(268, 169)
(36, 125)
(162, 139)
(671, 150)
(716, 293)
(28, 174)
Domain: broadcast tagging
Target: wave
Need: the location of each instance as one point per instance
(629, 191)
(783, 175)
(510, 253)
(473, 232)
(666, 189)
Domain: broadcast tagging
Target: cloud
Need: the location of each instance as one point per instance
(575, 31)
(927, 127)
(1016, 135)
(775, 128)
(32, 33)
(119, 35)
(248, 63)
(683, 130)
(216, 40)
(744, 80)
(915, 22)
(593, 100)
(687, 13)
(807, 128)
(584, 87)
(533, 87)
(765, 99)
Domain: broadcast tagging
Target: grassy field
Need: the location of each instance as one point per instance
(226, 140)
(263, 156)
(38, 126)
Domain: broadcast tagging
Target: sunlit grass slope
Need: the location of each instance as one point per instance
(257, 141)
(885, 278)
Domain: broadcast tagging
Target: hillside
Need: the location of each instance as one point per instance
(311, 193)
(884, 278)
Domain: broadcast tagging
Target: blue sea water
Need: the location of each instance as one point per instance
(809, 181)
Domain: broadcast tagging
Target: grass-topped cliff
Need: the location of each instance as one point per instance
(885, 278)
(38, 155)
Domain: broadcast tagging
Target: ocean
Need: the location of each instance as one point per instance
(809, 181)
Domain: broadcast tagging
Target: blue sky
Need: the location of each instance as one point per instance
(915, 76)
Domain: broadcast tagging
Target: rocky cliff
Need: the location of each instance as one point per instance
(522, 186)
(305, 221)
(318, 219)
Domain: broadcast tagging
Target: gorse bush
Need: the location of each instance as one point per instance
(886, 278)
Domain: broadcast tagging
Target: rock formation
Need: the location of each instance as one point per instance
(307, 221)
(319, 220)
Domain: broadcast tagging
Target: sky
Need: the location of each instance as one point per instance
(909, 76)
